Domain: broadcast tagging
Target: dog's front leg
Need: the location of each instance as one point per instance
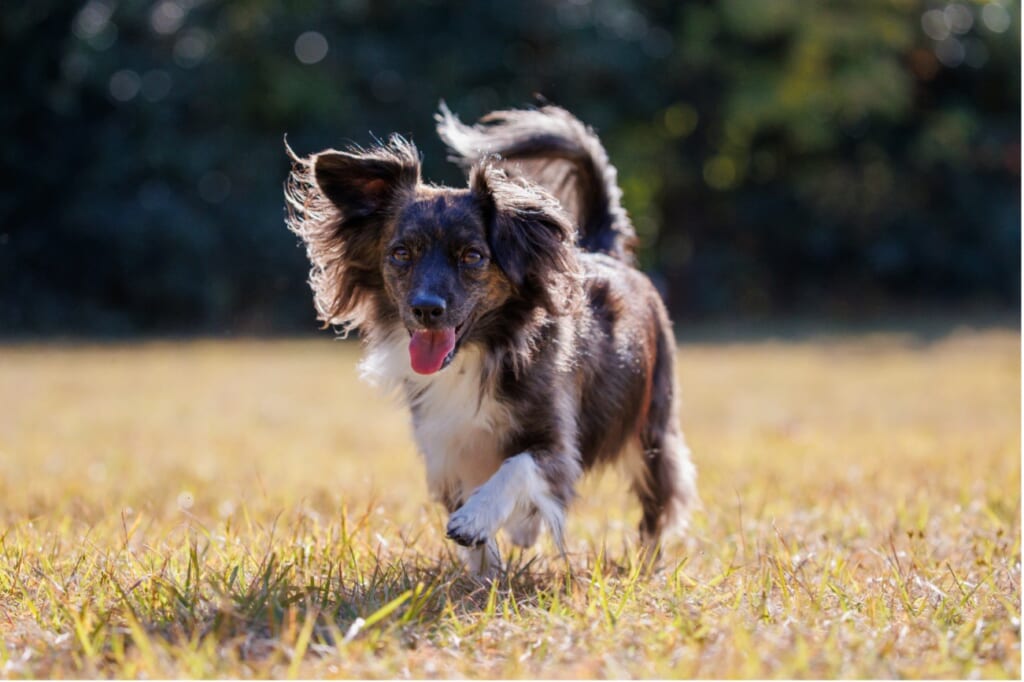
(521, 485)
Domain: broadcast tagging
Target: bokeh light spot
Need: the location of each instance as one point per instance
(167, 17)
(720, 172)
(191, 48)
(958, 17)
(995, 17)
(92, 19)
(310, 47)
(935, 25)
(226, 508)
(185, 500)
(681, 120)
(105, 39)
(626, 23)
(950, 52)
(124, 85)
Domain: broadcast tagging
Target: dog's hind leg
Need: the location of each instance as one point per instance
(664, 479)
(665, 484)
(524, 527)
(484, 560)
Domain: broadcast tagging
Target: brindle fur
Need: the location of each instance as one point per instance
(577, 345)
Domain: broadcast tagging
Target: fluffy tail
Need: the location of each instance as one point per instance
(552, 148)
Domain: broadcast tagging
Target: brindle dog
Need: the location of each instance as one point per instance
(508, 314)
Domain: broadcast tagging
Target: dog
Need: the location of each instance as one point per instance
(510, 317)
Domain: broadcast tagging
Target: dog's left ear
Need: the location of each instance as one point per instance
(532, 239)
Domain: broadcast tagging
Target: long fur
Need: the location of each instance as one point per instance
(563, 354)
(344, 255)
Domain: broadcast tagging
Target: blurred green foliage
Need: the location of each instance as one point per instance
(776, 155)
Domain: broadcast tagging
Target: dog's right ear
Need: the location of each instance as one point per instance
(338, 204)
(363, 183)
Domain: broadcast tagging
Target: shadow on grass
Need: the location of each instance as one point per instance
(278, 610)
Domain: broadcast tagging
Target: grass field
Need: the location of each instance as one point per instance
(250, 509)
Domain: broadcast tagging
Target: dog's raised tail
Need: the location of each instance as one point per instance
(552, 148)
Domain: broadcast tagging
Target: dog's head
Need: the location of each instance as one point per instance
(444, 262)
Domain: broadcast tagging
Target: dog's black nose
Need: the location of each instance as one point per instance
(427, 307)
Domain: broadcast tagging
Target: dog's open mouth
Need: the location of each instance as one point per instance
(431, 350)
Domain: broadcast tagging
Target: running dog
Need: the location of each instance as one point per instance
(508, 314)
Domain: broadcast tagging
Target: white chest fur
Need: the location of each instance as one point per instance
(457, 423)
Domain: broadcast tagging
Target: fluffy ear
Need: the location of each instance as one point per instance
(338, 204)
(362, 182)
(532, 239)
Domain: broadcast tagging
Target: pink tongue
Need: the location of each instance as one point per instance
(429, 348)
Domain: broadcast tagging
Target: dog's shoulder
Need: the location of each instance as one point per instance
(617, 291)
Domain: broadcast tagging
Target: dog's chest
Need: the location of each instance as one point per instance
(458, 424)
(460, 432)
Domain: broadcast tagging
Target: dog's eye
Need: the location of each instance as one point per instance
(400, 254)
(472, 257)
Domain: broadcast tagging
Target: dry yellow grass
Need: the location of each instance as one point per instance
(232, 508)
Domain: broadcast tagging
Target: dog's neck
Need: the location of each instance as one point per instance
(457, 422)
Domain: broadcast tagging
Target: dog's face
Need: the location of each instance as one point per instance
(440, 273)
(443, 261)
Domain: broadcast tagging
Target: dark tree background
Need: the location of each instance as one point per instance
(777, 156)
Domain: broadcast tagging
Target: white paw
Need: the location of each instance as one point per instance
(475, 522)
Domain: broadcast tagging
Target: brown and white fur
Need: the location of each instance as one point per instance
(508, 314)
